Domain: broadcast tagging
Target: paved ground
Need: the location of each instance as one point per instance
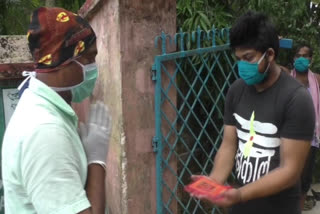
(316, 209)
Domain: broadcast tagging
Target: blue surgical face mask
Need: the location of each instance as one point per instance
(249, 72)
(85, 88)
(302, 64)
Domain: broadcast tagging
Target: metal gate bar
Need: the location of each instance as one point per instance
(190, 88)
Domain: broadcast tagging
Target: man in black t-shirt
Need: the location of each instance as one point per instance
(268, 126)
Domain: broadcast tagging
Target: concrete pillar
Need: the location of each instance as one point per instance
(126, 31)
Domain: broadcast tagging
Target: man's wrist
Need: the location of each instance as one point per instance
(101, 163)
(215, 178)
(243, 193)
(240, 196)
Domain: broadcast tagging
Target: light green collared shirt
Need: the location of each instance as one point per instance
(44, 166)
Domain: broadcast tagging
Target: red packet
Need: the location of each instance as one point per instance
(206, 187)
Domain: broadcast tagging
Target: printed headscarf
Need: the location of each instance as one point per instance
(56, 36)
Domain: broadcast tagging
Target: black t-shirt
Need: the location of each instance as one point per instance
(285, 110)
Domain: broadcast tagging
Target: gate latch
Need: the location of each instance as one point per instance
(155, 142)
(153, 73)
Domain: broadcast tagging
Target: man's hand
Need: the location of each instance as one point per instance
(95, 134)
(197, 177)
(226, 199)
(224, 159)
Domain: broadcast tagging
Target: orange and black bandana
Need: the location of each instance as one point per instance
(56, 35)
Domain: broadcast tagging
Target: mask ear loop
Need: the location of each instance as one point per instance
(267, 69)
(82, 68)
(262, 57)
(29, 75)
(60, 89)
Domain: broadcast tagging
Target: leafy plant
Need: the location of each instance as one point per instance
(14, 16)
(203, 13)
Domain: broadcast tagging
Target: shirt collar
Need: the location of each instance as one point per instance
(41, 89)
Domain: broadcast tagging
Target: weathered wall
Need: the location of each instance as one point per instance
(14, 49)
(14, 57)
(141, 21)
(126, 31)
(105, 22)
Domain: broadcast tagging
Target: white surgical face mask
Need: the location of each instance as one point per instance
(85, 88)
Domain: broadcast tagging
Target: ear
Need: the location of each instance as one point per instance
(270, 55)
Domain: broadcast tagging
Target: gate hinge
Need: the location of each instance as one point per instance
(155, 142)
(153, 72)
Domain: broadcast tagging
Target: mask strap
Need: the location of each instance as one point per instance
(83, 69)
(262, 57)
(267, 69)
(29, 75)
(79, 63)
(57, 89)
(86, 67)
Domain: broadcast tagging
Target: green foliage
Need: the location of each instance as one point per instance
(72, 5)
(14, 16)
(203, 13)
(295, 19)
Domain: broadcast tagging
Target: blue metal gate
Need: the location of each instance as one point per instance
(190, 89)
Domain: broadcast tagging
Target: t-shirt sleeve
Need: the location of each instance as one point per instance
(51, 173)
(229, 106)
(299, 118)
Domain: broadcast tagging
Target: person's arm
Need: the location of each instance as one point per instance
(52, 171)
(224, 159)
(296, 134)
(95, 136)
(95, 189)
(293, 154)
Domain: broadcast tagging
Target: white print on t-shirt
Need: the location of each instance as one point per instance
(257, 164)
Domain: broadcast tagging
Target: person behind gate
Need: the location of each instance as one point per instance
(268, 126)
(46, 167)
(310, 80)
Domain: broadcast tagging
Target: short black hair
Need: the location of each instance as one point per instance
(307, 46)
(254, 30)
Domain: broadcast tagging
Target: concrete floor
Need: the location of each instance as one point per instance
(316, 209)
